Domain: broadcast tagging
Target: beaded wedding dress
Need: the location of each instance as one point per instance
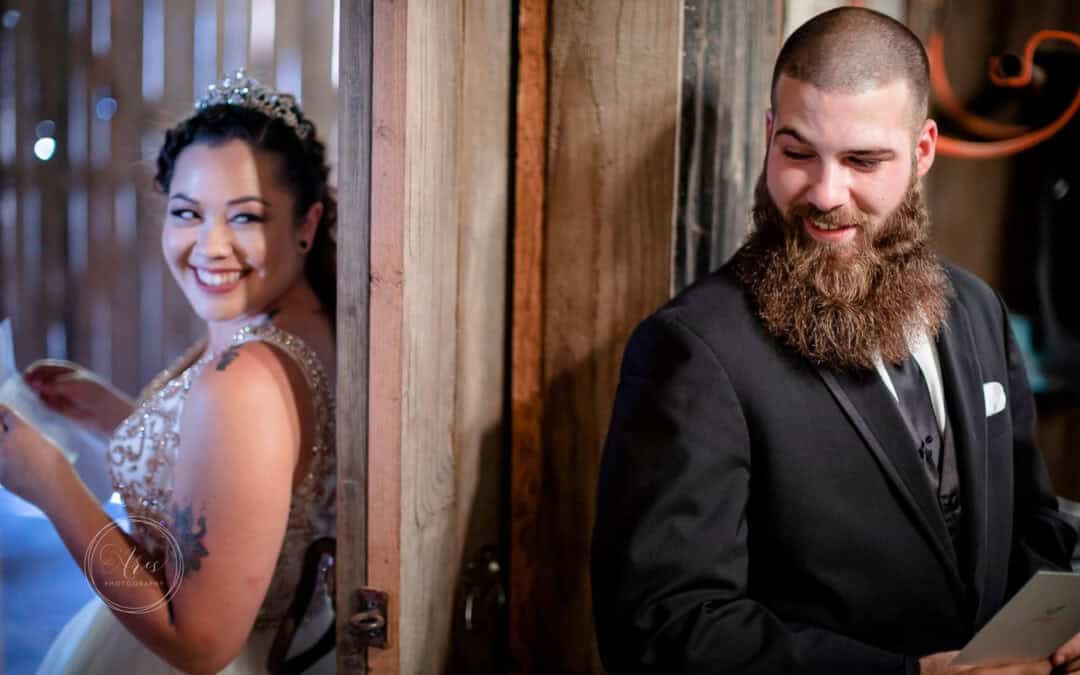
(142, 453)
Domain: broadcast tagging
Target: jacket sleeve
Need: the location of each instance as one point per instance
(1042, 538)
(670, 556)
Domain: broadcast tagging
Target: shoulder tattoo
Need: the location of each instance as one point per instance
(228, 356)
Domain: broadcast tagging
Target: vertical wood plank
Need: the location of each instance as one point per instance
(126, 86)
(262, 26)
(317, 40)
(481, 377)
(606, 263)
(236, 33)
(727, 69)
(353, 297)
(527, 323)
(387, 270)
(429, 331)
(52, 180)
(76, 147)
(27, 101)
(182, 326)
(288, 48)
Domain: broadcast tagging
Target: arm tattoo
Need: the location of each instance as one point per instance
(228, 357)
(189, 534)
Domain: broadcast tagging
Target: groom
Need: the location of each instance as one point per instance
(821, 458)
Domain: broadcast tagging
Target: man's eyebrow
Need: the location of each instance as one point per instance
(879, 152)
(873, 152)
(788, 131)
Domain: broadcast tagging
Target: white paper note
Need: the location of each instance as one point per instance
(86, 450)
(1038, 620)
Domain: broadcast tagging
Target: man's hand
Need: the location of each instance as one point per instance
(1068, 655)
(938, 664)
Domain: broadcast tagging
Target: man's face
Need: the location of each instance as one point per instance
(838, 163)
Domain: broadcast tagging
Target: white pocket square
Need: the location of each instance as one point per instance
(994, 395)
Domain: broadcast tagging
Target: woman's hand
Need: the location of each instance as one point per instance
(77, 395)
(30, 465)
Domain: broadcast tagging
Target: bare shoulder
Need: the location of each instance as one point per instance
(251, 386)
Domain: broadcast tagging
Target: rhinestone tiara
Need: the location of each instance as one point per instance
(239, 89)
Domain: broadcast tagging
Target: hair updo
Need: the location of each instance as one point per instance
(305, 173)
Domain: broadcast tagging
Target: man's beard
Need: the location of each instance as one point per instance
(842, 305)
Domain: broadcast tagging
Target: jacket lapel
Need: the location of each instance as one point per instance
(962, 382)
(874, 413)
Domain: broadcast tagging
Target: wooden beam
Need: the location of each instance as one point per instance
(526, 463)
(593, 263)
(430, 333)
(727, 68)
(353, 297)
(387, 272)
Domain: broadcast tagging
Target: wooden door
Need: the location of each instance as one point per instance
(598, 86)
(440, 102)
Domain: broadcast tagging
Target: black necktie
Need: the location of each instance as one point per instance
(918, 412)
(939, 464)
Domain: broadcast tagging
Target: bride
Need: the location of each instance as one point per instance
(226, 461)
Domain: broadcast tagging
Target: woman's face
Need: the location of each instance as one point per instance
(231, 238)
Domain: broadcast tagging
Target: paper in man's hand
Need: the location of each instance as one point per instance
(1040, 618)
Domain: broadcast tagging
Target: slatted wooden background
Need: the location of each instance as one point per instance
(81, 271)
(728, 55)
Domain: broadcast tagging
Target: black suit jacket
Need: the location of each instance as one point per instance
(759, 515)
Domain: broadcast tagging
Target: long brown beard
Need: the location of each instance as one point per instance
(841, 306)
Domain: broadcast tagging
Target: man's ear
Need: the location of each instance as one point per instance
(768, 126)
(926, 147)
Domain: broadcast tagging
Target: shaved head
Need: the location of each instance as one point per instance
(851, 50)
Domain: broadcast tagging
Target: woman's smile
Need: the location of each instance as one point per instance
(218, 280)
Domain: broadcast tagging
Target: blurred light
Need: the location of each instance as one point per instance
(205, 40)
(153, 66)
(77, 16)
(78, 133)
(44, 148)
(45, 128)
(261, 40)
(335, 46)
(11, 18)
(56, 340)
(105, 108)
(234, 45)
(100, 27)
(289, 75)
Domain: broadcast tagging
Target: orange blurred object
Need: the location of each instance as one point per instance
(1011, 138)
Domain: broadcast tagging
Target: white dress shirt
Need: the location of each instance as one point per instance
(927, 358)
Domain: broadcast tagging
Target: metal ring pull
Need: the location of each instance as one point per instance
(367, 620)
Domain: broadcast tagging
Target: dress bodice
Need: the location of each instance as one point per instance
(144, 450)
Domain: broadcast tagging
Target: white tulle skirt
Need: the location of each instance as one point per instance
(94, 642)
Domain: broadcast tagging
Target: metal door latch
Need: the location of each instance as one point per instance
(482, 580)
(368, 618)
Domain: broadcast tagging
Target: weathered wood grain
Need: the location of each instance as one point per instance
(387, 269)
(605, 263)
(729, 52)
(527, 451)
(353, 317)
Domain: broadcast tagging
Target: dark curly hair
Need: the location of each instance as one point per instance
(306, 173)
